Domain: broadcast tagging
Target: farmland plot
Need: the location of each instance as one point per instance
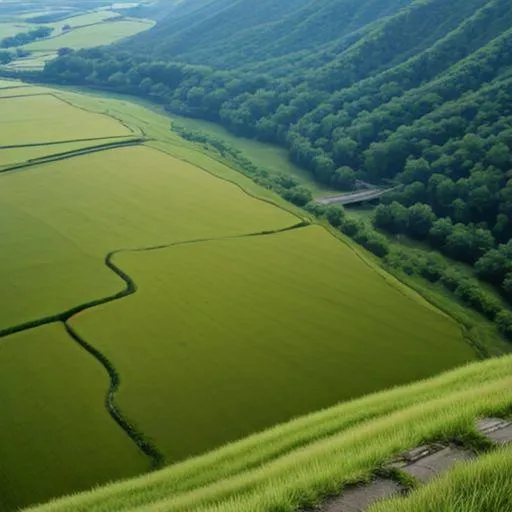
(45, 118)
(98, 34)
(55, 433)
(226, 337)
(54, 251)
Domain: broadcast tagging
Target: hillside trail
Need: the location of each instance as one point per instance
(422, 464)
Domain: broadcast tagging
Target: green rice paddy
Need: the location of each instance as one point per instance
(232, 320)
(294, 312)
(45, 118)
(55, 249)
(55, 433)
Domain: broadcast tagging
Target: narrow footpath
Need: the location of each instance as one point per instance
(422, 464)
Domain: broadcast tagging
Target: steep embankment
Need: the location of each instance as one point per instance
(299, 463)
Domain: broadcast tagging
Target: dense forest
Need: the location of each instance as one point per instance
(414, 93)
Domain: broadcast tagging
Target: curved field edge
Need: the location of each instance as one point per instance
(299, 463)
(292, 311)
(484, 484)
(52, 416)
(152, 123)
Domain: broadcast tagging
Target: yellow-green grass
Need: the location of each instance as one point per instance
(45, 118)
(155, 123)
(56, 435)
(9, 92)
(243, 333)
(19, 155)
(54, 249)
(104, 33)
(297, 463)
(9, 84)
(89, 18)
(36, 61)
(273, 158)
(11, 29)
(484, 485)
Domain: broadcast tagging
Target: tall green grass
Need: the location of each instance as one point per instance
(484, 485)
(301, 462)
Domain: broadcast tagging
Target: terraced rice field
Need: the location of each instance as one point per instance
(216, 328)
(54, 419)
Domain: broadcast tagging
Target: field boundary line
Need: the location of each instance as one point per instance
(56, 157)
(68, 141)
(55, 94)
(24, 95)
(145, 445)
(233, 182)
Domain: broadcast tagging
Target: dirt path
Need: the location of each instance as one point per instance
(422, 464)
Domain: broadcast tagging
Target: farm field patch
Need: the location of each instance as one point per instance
(90, 36)
(244, 333)
(9, 84)
(34, 62)
(45, 118)
(11, 29)
(81, 20)
(56, 435)
(15, 92)
(54, 250)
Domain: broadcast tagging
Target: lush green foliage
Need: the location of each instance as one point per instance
(296, 464)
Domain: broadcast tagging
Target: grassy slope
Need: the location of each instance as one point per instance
(484, 485)
(480, 331)
(296, 463)
(273, 158)
(249, 316)
(101, 202)
(52, 417)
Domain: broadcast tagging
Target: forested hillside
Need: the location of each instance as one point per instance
(414, 93)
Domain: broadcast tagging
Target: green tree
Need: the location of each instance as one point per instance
(420, 220)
